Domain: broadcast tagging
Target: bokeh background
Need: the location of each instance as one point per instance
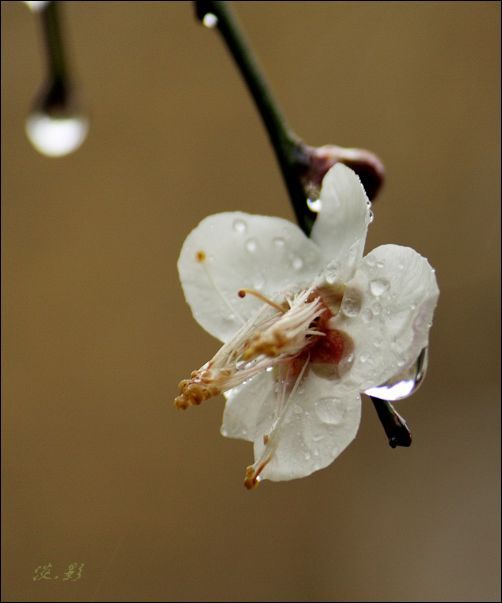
(99, 468)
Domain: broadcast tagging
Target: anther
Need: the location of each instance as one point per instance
(260, 296)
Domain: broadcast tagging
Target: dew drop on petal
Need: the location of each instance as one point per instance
(351, 305)
(258, 282)
(251, 245)
(297, 409)
(307, 456)
(370, 216)
(367, 315)
(376, 309)
(378, 286)
(279, 242)
(240, 226)
(297, 263)
(380, 264)
(56, 136)
(328, 411)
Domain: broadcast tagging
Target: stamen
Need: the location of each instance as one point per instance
(260, 296)
(290, 332)
(252, 478)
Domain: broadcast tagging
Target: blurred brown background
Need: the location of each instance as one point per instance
(99, 468)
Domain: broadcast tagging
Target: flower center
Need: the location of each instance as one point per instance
(288, 333)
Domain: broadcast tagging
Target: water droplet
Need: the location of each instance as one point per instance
(229, 318)
(258, 281)
(367, 315)
(297, 409)
(316, 452)
(363, 358)
(307, 456)
(351, 304)
(318, 438)
(36, 6)
(240, 226)
(328, 411)
(378, 286)
(279, 242)
(330, 273)
(209, 20)
(314, 205)
(334, 451)
(371, 216)
(378, 343)
(251, 245)
(405, 383)
(370, 261)
(376, 309)
(224, 432)
(56, 136)
(297, 263)
(380, 264)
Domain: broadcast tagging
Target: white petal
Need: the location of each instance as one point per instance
(396, 293)
(244, 403)
(341, 226)
(241, 251)
(319, 422)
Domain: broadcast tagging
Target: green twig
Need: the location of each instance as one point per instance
(288, 148)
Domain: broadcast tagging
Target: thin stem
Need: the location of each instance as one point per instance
(55, 96)
(287, 146)
(56, 61)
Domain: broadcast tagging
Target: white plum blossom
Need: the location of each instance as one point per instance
(307, 324)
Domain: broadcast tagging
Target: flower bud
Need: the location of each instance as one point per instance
(318, 160)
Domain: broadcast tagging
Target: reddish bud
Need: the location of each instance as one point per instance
(318, 160)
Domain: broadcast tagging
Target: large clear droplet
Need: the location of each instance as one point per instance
(351, 303)
(405, 383)
(379, 286)
(329, 411)
(36, 6)
(56, 136)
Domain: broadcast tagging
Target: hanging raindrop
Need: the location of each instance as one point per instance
(55, 126)
(405, 383)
